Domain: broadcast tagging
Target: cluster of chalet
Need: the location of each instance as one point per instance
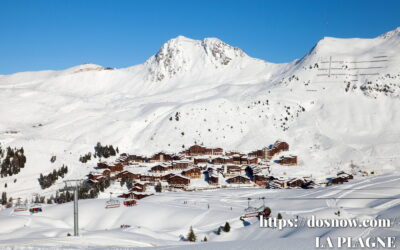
(200, 167)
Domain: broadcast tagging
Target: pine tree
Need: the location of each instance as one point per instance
(3, 198)
(158, 188)
(191, 236)
(219, 230)
(227, 227)
(205, 238)
(279, 216)
(68, 196)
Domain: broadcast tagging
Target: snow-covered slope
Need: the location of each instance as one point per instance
(338, 104)
(162, 226)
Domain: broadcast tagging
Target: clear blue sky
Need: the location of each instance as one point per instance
(38, 35)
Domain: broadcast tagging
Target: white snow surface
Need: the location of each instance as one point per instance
(161, 226)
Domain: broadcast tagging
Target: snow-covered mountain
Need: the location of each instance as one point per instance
(336, 105)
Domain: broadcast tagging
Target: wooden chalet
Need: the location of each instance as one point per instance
(232, 153)
(128, 159)
(252, 160)
(232, 170)
(337, 180)
(308, 184)
(238, 180)
(150, 178)
(239, 159)
(177, 181)
(260, 180)
(258, 153)
(199, 150)
(193, 173)
(290, 160)
(95, 176)
(127, 174)
(198, 160)
(345, 176)
(295, 182)
(276, 183)
(102, 165)
(139, 196)
(126, 195)
(195, 150)
(161, 157)
(279, 146)
(222, 160)
(166, 177)
(133, 195)
(160, 168)
(181, 164)
(214, 151)
(112, 167)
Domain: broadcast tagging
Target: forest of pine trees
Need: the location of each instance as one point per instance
(85, 158)
(104, 151)
(14, 160)
(46, 181)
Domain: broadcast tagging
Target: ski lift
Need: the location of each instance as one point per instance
(20, 207)
(36, 208)
(249, 208)
(264, 211)
(252, 212)
(112, 203)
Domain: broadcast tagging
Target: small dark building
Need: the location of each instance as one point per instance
(290, 160)
(213, 180)
(238, 180)
(293, 183)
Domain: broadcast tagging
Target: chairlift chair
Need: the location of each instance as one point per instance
(20, 207)
(264, 211)
(129, 202)
(112, 203)
(35, 208)
(252, 212)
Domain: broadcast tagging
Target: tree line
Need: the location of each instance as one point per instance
(47, 181)
(105, 151)
(14, 160)
(85, 158)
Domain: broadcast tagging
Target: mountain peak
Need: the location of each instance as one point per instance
(181, 54)
(390, 34)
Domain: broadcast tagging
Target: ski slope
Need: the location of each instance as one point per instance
(153, 225)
